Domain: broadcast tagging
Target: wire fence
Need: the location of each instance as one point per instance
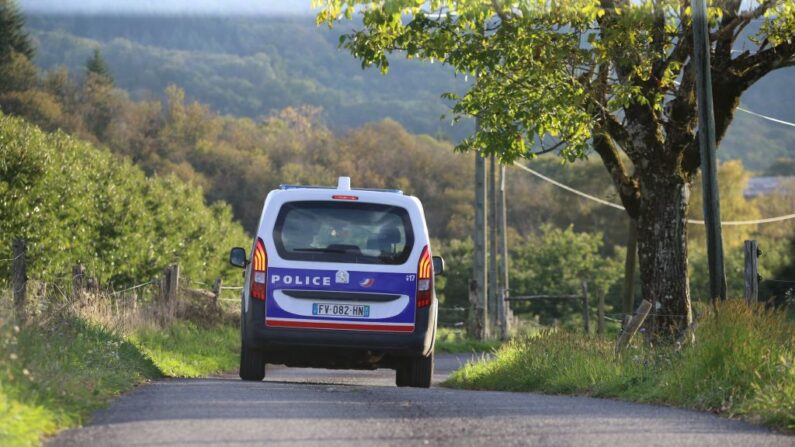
(11, 259)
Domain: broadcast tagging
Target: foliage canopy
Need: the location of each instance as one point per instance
(75, 203)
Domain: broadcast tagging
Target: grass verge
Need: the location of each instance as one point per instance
(742, 364)
(455, 341)
(52, 377)
(185, 349)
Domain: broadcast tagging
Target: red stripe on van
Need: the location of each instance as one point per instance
(341, 326)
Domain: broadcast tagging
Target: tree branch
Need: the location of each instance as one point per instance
(733, 20)
(628, 187)
(749, 68)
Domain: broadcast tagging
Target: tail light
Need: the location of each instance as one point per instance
(425, 279)
(259, 271)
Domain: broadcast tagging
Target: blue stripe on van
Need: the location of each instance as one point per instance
(334, 281)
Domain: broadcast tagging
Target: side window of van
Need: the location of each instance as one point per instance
(363, 233)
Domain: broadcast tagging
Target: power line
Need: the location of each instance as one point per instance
(769, 118)
(619, 207)
(759, 115)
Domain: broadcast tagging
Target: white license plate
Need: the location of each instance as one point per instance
(341, 310)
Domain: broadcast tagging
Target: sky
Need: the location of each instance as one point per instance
(278, 7)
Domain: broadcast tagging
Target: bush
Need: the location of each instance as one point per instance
(75, 203)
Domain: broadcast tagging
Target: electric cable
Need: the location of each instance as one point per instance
(617, 206)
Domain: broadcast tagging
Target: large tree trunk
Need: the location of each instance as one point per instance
(662, 249)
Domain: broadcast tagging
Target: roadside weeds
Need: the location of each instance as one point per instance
(741, 365)
(55, 372)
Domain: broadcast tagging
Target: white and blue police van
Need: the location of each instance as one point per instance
(339, 278)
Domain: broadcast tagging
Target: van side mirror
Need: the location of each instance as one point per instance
(438, 265)
(237, 257)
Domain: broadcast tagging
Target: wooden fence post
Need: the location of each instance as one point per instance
(173, 289)
(78, 280)
(217, 290)
(585, 311)
(629, 270)
(173, 286)
(19, 278)
(170, 291)
(633, 325)
(751, 272)
(600, 309)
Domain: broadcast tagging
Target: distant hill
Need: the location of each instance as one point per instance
(216, 7)
(252, 66)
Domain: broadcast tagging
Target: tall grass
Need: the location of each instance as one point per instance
(72, 358)
(742, 364)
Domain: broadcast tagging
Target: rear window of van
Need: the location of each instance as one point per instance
(361, 233)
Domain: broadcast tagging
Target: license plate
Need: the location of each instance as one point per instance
(341, 310)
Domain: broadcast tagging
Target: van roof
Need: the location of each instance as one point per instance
(344, 184)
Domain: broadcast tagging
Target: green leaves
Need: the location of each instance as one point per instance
(548, 70)
(526, 88)
(556, 262)
(75, 203)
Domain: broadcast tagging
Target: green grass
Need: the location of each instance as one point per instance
(455, 341)
(742, 364)
(53, 376)
(187, 350)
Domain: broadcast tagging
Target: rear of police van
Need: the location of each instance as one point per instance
(340, 278)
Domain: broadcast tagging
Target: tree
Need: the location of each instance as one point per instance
(13, 38)
(96, 66)
(17, 72)
(614, 76)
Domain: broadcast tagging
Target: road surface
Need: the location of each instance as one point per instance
(296, 407)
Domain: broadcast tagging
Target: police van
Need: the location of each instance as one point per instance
(339, 278)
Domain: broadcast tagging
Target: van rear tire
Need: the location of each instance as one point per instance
(417, 372)
(403, 374)
(252, 361)
(252, 364)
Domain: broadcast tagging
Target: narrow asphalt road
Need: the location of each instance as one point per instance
(343, 408)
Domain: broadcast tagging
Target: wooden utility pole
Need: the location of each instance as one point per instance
(706, 140)
(492, 228)
(629, 269)
(19, 278)
(752, 253)
(502, 304)
(479, 276)
(474, 322)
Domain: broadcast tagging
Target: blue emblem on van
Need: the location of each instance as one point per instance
(367, 282)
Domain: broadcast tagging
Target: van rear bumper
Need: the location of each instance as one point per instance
(332, 348)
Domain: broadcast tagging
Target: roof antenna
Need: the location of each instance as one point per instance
(344, 184)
